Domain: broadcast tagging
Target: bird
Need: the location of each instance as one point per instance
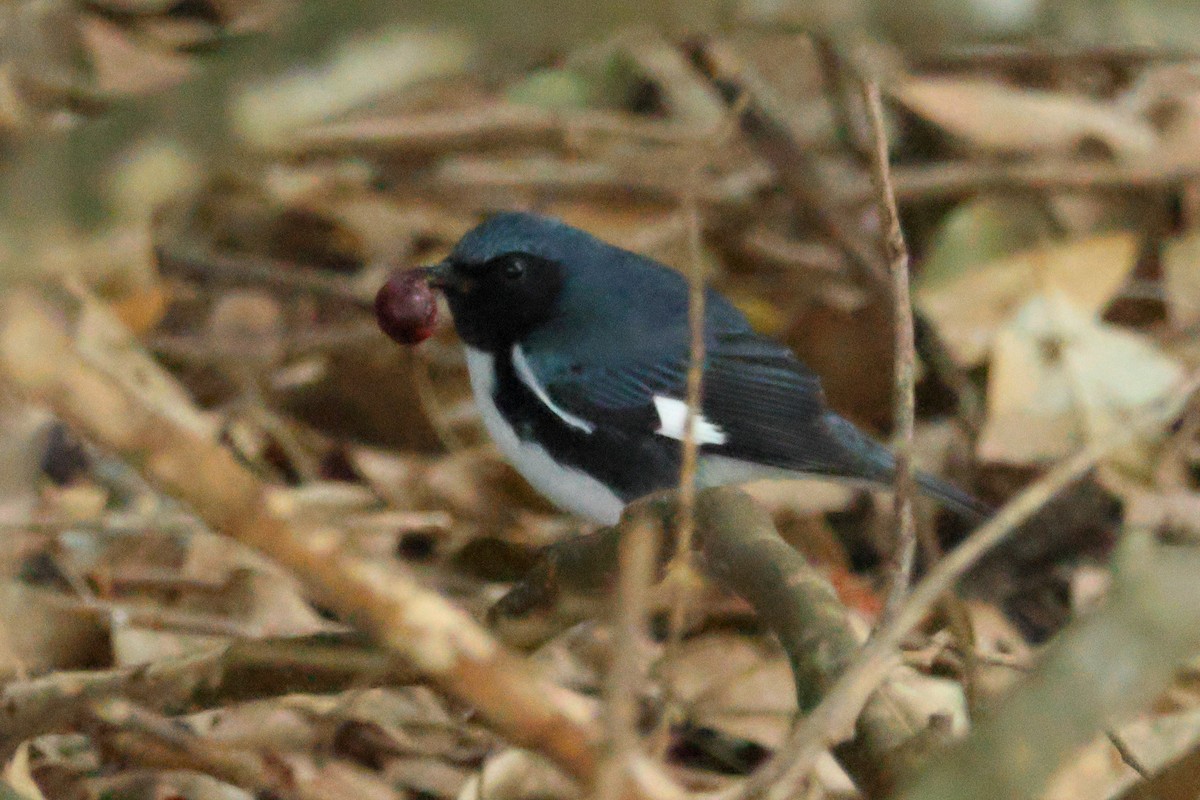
(578, 352)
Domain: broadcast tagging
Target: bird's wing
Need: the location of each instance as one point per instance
(760, 403)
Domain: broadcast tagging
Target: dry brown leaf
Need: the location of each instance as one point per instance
(24, 430)
(1099, 770)
(41, 630)
(999, 118)
(971, 308)
(1061, 379)
(518, 775)
(18, 774)
(136, 646)
(1181, 274)
(124, 66)
(736, 685)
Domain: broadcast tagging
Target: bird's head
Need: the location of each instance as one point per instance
(505, 277)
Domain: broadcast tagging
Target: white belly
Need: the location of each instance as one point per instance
(567, 488)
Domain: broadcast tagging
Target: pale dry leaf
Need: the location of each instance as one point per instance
(124, 66)
(361, 71)
(267, 606)
(24, 432)
(1088, 585)
(1174, 512)
(971, 308)
(518, 775)
(926, 701)
(1099, 771)
(1061, 379)
(994, 117)
(1169, 93)
(1004, 656)
(1181, 276)
(735, 685)
(426, 776)
(261, 725)
(136, 646)
(18, 774)
(42, 630)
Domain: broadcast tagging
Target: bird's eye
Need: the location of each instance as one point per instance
(514, 269)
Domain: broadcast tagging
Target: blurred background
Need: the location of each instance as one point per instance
(220, 186)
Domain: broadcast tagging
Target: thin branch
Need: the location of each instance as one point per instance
(954, 180)
(767, 126)
(639, 553)
(904, 549)
(687, 471)
(695, 380)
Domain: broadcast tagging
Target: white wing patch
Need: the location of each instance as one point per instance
(672, 418)
(525, 373)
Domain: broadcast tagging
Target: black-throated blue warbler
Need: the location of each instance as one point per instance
(578, 354)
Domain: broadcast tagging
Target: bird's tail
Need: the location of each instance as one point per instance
(874, 461)
(965, 505)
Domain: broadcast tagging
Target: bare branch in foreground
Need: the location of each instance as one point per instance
(41, 355)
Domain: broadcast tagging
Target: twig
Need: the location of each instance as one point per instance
(1128, 757)
(183, 258)
(475, 129)
(905, 546)
(976, 57)
(39, 357)
(793, 762)
(572, 177)
(688, 465)
(691, 446)
(955, 180)
(639, 554)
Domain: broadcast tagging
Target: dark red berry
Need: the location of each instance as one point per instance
(406, 307)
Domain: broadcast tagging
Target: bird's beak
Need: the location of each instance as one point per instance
(440, 276)
(444, 276)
